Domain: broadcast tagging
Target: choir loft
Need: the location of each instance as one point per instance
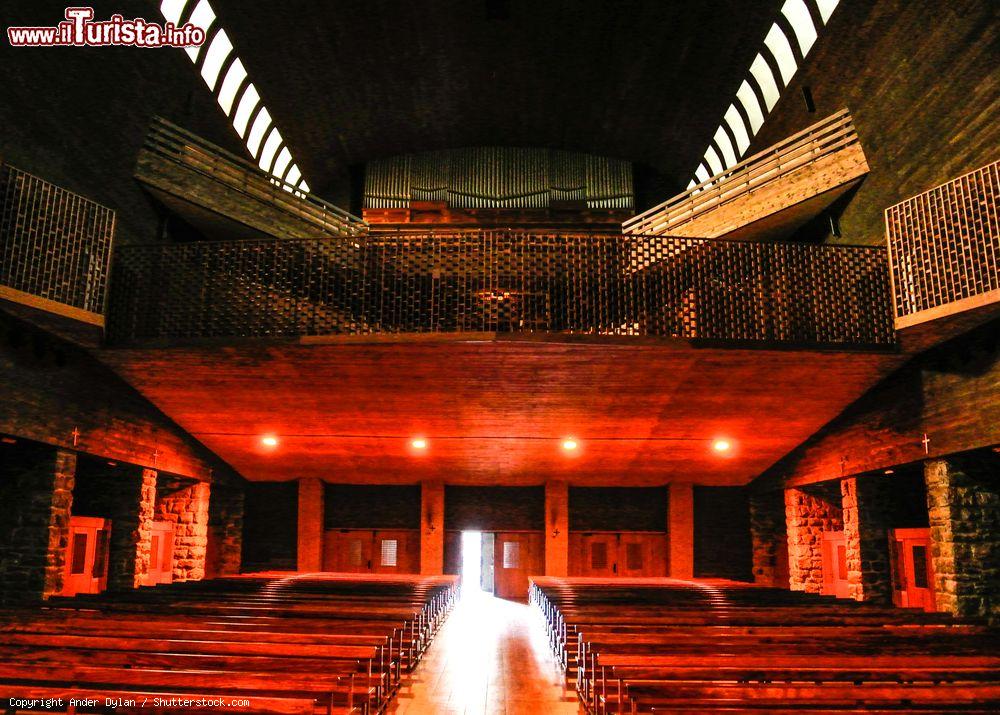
(496, 356)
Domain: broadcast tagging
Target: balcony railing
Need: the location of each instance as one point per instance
(832, 140)
(167, 141)
(944, 248)
(55, 246)
(503, 282)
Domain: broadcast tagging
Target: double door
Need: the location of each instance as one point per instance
(87, 556)
(517, 555)
(624, 553)
(834, 554)
(912, 568)
(372, 551)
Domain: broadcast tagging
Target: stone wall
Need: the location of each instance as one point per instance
(809, 512)
(963, 501)
(866, 532)
(225, 531)
(185, 504)
(36, 494)
(770, 540)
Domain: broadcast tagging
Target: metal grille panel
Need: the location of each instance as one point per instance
(503, 281)
(54, 244)
(944, 245)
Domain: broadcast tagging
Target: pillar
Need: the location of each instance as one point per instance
(769, 540)
(432, 528)
(866, 533)
(186, 504)
(310, 542)
(36, 495)
(680, 528)
(810, 511)
(225, 531)
(557, 525)
(963, 505)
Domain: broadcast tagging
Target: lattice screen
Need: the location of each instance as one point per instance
(504, 281)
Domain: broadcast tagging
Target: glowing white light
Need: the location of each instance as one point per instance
(782, 51)
(738, 128)
(172, 10)
(270, 149)
(765, 80)
(749, 101)
(230, 85)
(245, 110)
(215, 56)
(721, 140)
(282, 162)
(203, 17)
(826, 8)
(797, 14)
(260, 125)
(714, 163)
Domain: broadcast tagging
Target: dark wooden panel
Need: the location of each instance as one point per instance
(494, 508)
(371, 506)
(618, 508)
(270, 526)
(950, 393)
(608, 554)
(453, 552)
(722, 546)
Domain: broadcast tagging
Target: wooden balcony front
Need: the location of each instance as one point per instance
(944, 257)
(767, 195)
(226, 196)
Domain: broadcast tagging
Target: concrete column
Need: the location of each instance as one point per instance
(36, 495)
(963, 506)
(680, 528)
(557, 528)
(809, 512)
(310, 544)
(866, 534)
(225, 531)
(432, 528)
(770, 543)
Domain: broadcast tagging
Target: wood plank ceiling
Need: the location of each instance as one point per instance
(497, 412)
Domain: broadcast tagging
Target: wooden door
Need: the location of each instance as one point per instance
(834, 552)
(516, 557)
(161, 554)
(86, 568)
(640, 554)
(396, 551)
(912, 568)
(593, 554)
(348, 550)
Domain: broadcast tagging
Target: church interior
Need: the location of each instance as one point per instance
(500, 357)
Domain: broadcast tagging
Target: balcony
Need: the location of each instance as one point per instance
(944, 257)
(767, 195)
(55, 251)
(504, 282)
(226, 196)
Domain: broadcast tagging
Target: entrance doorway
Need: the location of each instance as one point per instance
(912, 568)
(477, 562)
(497, 562)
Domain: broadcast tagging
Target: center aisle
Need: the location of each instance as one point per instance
(490, 658)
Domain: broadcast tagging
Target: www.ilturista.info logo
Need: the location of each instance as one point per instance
(80, 30)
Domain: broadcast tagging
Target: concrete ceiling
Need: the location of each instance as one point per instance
(496, 412)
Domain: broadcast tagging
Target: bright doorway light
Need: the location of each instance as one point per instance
(472, 553)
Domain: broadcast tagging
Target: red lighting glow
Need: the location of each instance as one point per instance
(269, 440)
(722, 445)
(419, 443)
(569, 444)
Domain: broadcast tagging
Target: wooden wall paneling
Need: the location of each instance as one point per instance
(617, 508)
(494, 508)
(348, 550)
(642, 554)
(372, 506)
(453, 552)
(396, 551)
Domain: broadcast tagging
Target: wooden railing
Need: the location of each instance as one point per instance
(55, 246)
(752, 174)
(171, 142)
(503, 282)
(944, 247)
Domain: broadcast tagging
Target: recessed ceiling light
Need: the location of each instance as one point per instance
(269, 440)
(569, 444)
(722, 445)
(419, 443)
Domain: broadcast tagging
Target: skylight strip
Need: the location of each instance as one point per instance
(797, 14)
(738, 128)
(782, 51)
(722, 141)
(271, 153)
(826, 8)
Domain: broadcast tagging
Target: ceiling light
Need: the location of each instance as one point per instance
(721, 445)
(269, 440)
(419, 443)
(569, 444)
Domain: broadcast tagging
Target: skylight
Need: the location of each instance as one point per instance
(251, 120)
(761, 89)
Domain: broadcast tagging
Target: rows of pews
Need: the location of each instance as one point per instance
(319, 643)
(667, 646)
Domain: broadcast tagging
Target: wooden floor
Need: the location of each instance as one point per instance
(490, 658)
